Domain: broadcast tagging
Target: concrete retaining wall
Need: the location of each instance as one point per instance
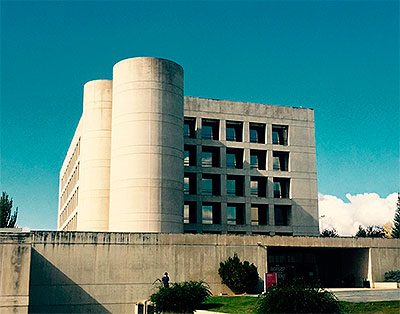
(109, 272)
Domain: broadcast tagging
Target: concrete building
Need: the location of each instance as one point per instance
(144, 158)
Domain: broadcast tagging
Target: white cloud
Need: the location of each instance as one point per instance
(362, 209)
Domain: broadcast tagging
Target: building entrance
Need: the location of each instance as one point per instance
(331, 268)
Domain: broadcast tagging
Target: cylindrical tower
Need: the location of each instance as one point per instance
(146, 184)
(94, 182)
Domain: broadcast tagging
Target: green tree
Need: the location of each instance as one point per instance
(184, 297)
(396, 221)
(7, 220)
(239, 277)
(370, 232)
(296, 297)
(329, 233)
(361, 233)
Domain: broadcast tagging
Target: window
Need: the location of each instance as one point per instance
(189, 127)
(281, 161)
(257, 159)
(211, 213)
(189, 183)
(257, 133)
(234, 158)
(210, 157)
(280, 134)
(282, 215)
(210, 129)
(234, 131)
(254, 187)
(258, 186)
(234, 185)
(207, 212)
(189, 158)
(281, 187)
(259, 215)
(189, 215)
(235, 214)
(210, 184)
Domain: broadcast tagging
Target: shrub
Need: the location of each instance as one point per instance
(393, 276)
(239, 277)
(297, 298)
(182, 297)
(329, 233)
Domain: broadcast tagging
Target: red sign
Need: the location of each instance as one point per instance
(269, 280)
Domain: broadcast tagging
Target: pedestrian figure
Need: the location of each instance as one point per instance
(165, 280)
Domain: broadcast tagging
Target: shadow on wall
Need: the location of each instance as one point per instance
(51, 291)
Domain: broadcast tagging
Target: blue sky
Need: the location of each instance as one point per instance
(339, 58)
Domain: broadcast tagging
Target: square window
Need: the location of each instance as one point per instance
(234, 185)
(258, 159)
(211, 213)
(281, 187)
(189, 183)
(280, 134)
(258, 186)
(210, 129)
(234, 158)
(206, 159)
(254, 187)
(210, 157)
(259, 215)
(189, 157)
(210, 184)
(235, 214)
(207, 214)
(231, 214)
(254, 161)
(234, 131)
(190, 213)
(189, 127)
(257, 133)
(282, 215)
(281, 161)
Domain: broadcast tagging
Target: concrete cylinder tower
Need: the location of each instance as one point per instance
(146, 184)
(94, 182)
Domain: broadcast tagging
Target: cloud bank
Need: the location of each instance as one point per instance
(362, 209)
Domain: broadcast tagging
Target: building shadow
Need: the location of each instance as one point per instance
(51, 291)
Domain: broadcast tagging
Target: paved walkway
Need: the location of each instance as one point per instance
(367, 295)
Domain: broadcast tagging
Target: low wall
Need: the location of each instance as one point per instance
(109, 272)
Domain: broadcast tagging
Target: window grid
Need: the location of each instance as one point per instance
(234, 159)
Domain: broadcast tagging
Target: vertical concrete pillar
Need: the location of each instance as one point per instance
(94, 181)
(146, 184)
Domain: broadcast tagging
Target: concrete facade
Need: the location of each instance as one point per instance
(147, 146)
(144, 158)
(109, 272)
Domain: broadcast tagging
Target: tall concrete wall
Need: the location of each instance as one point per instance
(146, 185)
(109, 272)
(15, 261)
(94, 181)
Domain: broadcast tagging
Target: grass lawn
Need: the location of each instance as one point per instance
(386, 307)
(231, 304)
(247, 305)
